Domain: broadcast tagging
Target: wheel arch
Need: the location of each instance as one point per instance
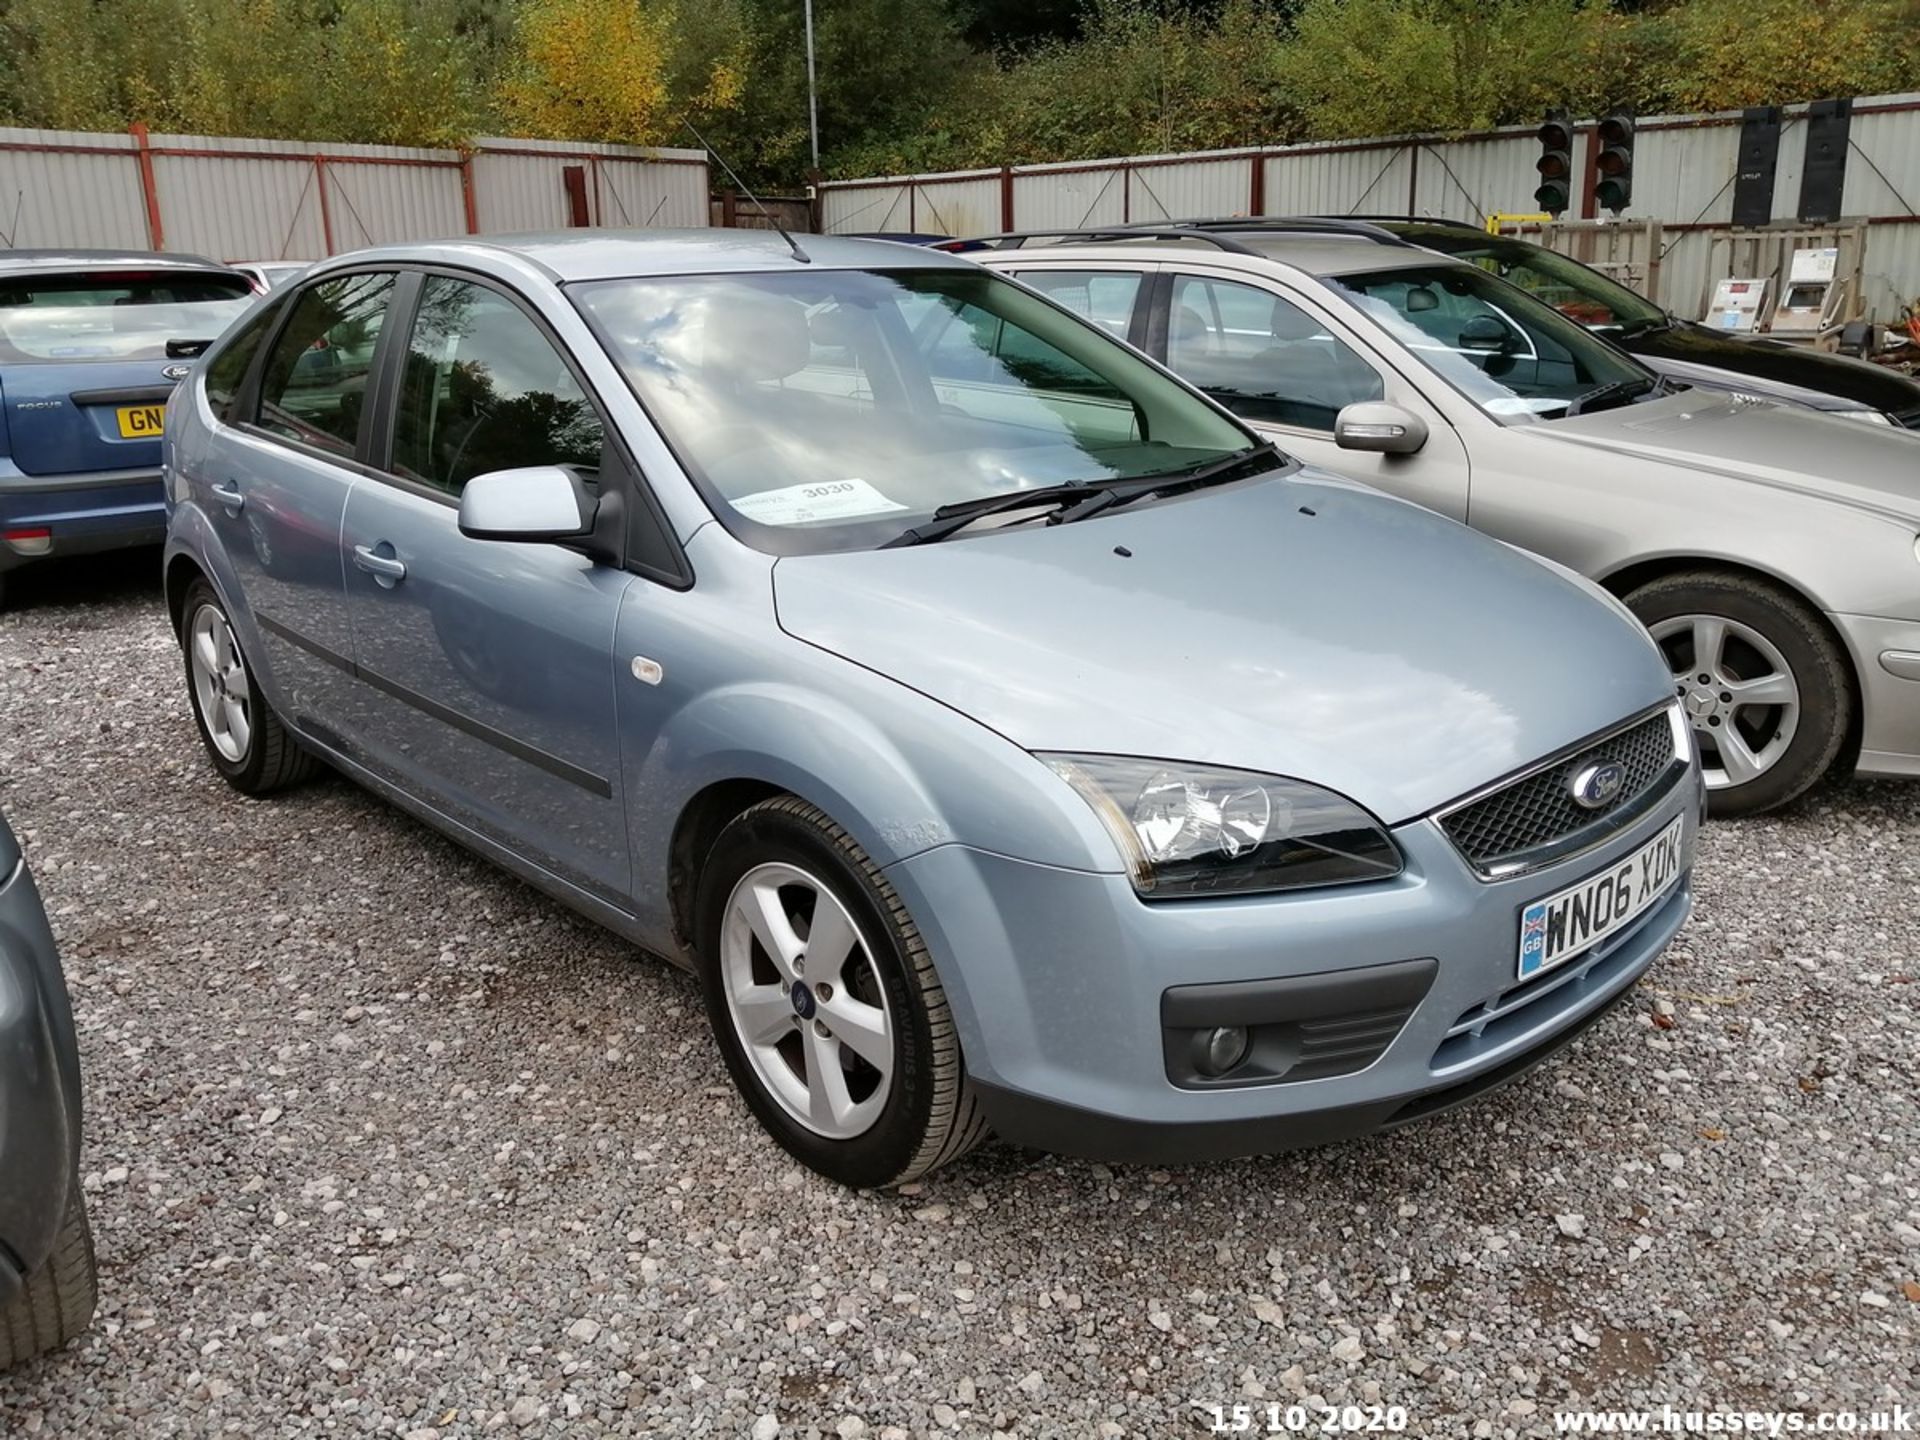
(701, 819)
(182, 570)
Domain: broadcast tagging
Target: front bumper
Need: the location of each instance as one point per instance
(1886, 657)
(81, 513)
(39, 1085)
(1060, 984)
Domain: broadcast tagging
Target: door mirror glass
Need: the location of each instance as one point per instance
(540, 502)
(1379, 427)
(1484, 332)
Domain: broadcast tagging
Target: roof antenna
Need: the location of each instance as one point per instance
(765, 214)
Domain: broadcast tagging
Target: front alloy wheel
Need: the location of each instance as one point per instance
(824, 1001)
(806, 1001)
(1764, 683)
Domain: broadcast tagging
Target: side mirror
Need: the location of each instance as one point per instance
(1483, 332)
(540, 502)
(1379, 427)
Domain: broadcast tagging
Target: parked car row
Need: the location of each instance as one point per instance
(960, 665)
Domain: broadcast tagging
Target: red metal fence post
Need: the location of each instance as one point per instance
(1257, 184)
(156, 232)
(1006, 199)
(466, 192)
(326, 210)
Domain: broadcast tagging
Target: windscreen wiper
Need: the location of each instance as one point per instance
(962, 513)
(1076, 499)
(1611, 391)
(1664, 321)
(1170, 481)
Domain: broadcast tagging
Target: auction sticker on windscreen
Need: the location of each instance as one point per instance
(1563, 925)
(809, 504)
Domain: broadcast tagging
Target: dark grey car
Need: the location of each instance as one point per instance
(46, 1251)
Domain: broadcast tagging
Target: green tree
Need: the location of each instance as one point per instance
(1383, 67)
(1726, 54)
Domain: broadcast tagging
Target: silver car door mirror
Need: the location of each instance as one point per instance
(1380, 427)
(540, 502)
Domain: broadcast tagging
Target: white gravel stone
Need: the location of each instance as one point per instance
(505, 1177)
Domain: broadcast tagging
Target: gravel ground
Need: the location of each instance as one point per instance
(382, 1142)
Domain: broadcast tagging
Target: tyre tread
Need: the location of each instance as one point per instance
(59, 1298)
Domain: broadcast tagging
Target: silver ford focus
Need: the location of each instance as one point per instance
(1007, 738)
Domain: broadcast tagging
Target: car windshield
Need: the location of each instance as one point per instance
(1573, 289)
(1519, 360)
(832, 409)
(114, 315)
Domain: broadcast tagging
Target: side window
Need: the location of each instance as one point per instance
(1263, 357)
(483, 389)
(315, 384)
(1102, 296)
(227, 371)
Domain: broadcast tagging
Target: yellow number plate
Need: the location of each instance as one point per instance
(141, 422)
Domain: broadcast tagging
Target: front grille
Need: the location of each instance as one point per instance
(1909, 418)
(1535, 817)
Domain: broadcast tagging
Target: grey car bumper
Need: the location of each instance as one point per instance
(39, 1079)
(1376, 1006)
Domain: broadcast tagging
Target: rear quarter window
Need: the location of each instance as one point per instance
(227, 370)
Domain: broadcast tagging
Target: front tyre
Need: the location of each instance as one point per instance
(825, 1004)
(57, 1301)
(244, 738)
(1765, 685)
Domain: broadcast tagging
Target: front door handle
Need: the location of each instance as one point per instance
(384, 567)
(228, 495)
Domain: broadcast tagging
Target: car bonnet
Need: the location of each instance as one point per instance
(1873, 467)
(1303, 626)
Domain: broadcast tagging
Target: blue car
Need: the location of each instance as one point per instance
(91, 346)
(1008, 739)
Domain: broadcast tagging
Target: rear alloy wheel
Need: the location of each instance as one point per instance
(824, 1001)
(244, 738)
(1765, 687)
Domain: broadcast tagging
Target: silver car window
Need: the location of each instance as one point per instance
(1263, 357)
(1519, 360)
(832, 409)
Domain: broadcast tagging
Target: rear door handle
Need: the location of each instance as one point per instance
(385, 566)
(228, 495)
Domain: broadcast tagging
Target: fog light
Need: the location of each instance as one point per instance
(1219, 1050)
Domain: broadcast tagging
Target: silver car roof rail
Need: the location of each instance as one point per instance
(1357, 228)
(1017, 239)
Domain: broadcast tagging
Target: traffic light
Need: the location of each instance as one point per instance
(1555, 163)
(1613, 162)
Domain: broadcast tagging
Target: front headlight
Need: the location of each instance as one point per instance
(1872, 417)
(1206, 830)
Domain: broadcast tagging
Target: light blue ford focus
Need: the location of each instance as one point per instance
(1007, 739)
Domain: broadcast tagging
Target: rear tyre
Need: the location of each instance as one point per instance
(1766, 687)
(245, 740)
(58, 1301)
(825, 1004)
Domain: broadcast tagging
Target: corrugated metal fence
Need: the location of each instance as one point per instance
(1683, 176)
(281, 199)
